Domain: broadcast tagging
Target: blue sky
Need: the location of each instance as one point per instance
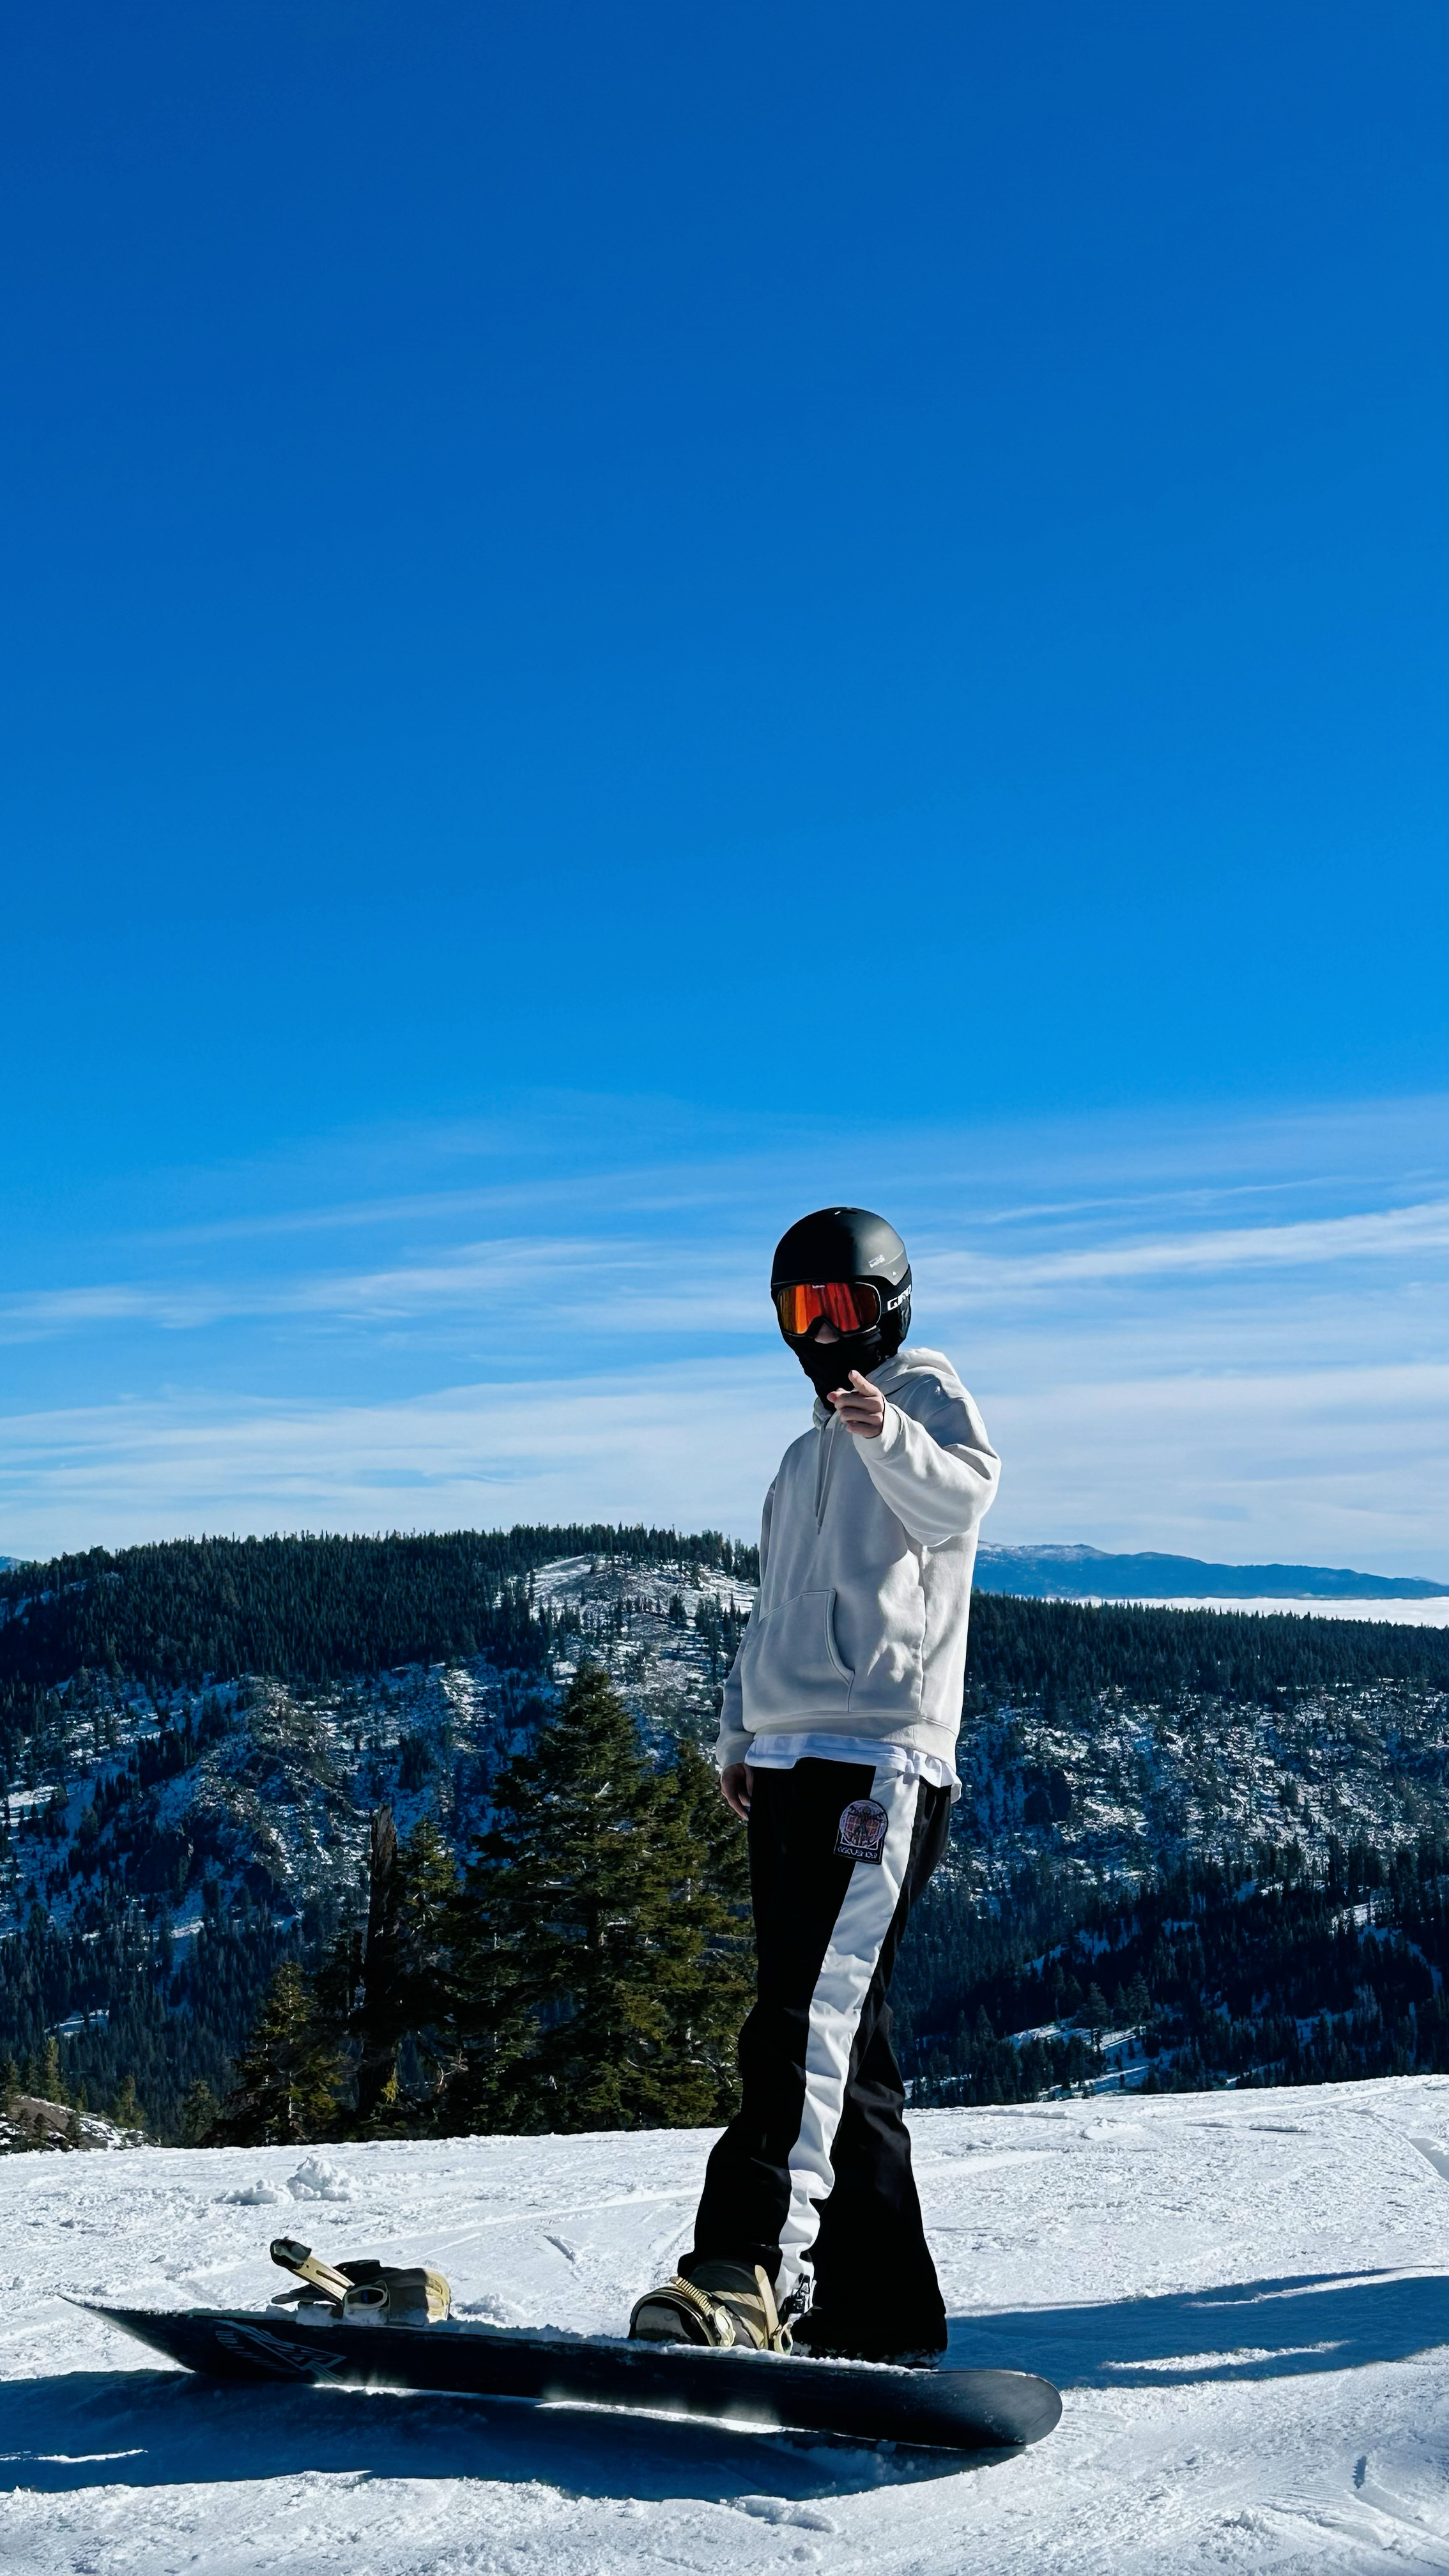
(621, 623)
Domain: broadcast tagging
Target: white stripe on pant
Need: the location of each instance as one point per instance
(836, 2005)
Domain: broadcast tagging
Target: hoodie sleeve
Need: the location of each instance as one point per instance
(938, 1476)
(733, 1743)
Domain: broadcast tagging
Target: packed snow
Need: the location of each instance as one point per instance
(1243, 2296)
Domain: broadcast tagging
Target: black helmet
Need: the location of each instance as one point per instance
(845, 1250)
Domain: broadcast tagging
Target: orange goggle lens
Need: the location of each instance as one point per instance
(851, 1305)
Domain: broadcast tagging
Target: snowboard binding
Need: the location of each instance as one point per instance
(361, 2293)
(723, 2305)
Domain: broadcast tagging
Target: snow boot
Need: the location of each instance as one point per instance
(723, 2304)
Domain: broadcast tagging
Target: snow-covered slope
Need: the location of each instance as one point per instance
(1243, 2296)
(251, 1780)
(270, 1786)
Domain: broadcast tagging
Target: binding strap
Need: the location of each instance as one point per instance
(702, 2319)
(723, 2321)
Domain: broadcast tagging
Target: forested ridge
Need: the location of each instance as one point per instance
(582, 1963)
(196, 1735)
(312, 1610)
(1281, 1970)
(154, 2025)
(1062, 1655)
(306, 1609)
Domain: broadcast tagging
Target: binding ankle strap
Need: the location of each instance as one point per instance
(687, 2301)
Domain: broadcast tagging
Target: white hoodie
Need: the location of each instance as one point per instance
(866, 1555)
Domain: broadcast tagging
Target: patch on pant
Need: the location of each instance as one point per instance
(862, 1831)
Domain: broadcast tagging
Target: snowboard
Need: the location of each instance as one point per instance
(954, 2410)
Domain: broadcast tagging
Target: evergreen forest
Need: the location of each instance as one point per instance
(1287, 1972)
(311, 1837)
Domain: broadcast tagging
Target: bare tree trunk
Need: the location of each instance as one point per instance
(377, 2021)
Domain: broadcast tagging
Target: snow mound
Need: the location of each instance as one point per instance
(778, 2509)
(318, 2178)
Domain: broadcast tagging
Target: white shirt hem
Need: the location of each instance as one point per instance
(903, 1762)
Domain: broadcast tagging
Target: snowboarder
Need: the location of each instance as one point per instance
(837, 1747)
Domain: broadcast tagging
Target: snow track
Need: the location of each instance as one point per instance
(1244, 2297)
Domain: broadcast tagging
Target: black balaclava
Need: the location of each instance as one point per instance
(845, 1243)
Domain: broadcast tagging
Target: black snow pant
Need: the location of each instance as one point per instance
(812, 2178)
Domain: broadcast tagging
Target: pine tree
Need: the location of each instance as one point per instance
(714, 1988)
(289, 2077)
(379, 2018)
(198, 2113)
(592, 1968)
(126, 2111)
(494, 1990)
(429, 1875)
(388, 1982)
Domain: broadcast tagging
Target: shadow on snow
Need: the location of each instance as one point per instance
(159, 2428)
(1270, 2329)
(153, 2428)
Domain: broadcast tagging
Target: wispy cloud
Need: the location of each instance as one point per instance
(1242, 1324)
(653, 1444)
(1384, 1235)
(612, 1285)
(475, 1277)
(1339, 1460)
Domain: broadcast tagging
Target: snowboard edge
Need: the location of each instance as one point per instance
(957, 2410)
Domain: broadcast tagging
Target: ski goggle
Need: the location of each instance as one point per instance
(851, 1305)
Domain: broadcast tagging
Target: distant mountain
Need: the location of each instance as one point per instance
(1085, 1573)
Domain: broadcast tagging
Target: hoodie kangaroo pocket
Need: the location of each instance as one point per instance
(795, 1670)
